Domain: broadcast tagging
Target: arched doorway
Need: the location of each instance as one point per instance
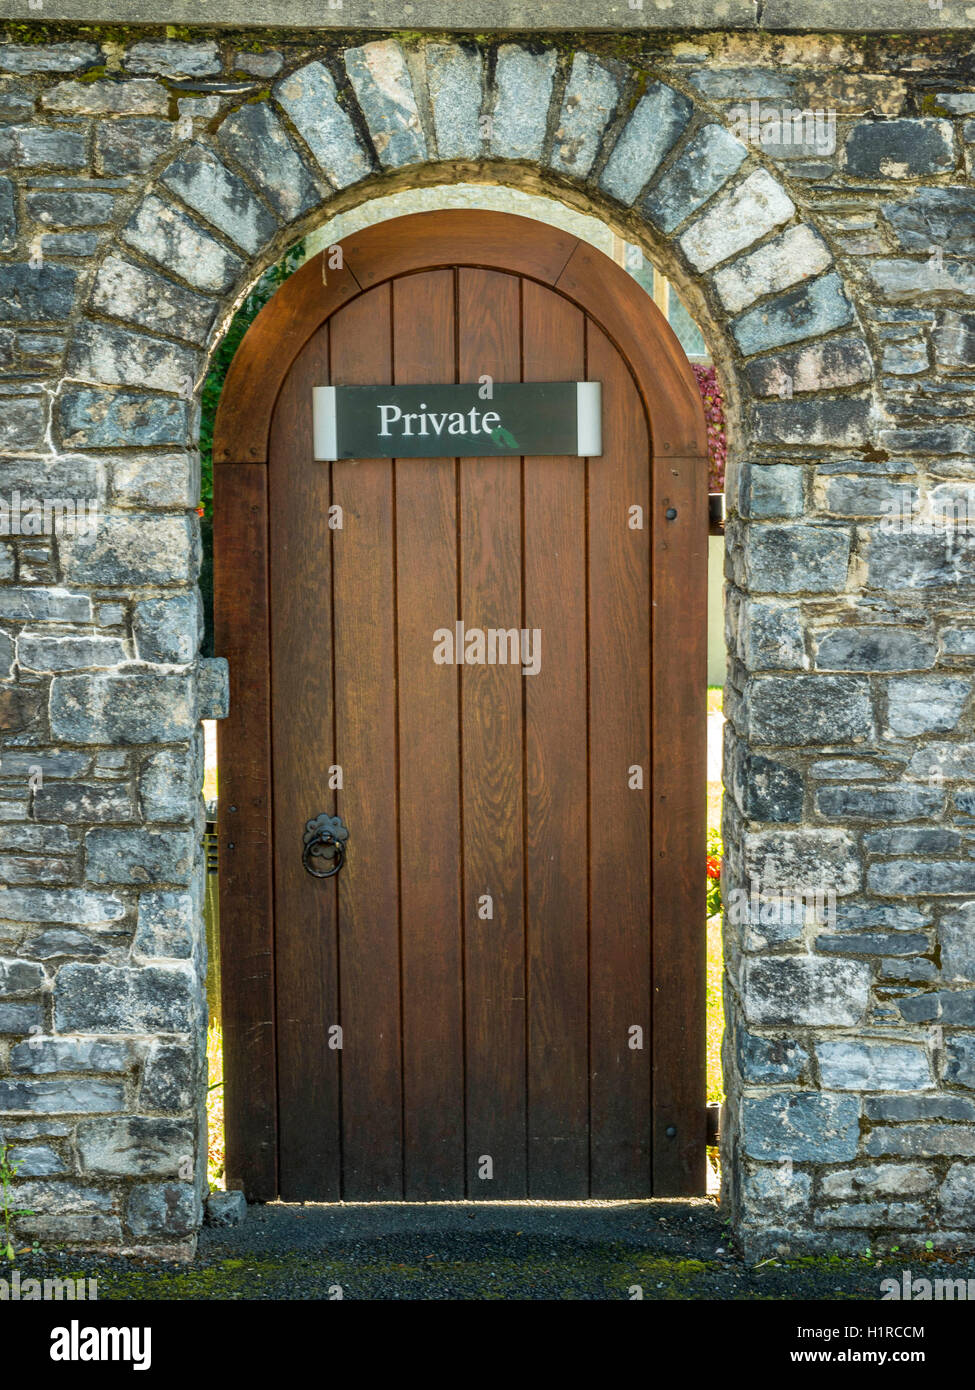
(501, 993)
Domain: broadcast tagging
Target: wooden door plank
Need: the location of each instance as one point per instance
(492, 751)
(679, 821)
(429, 766)
(366, 750)
(556, 735)
(241, 634)
(619, 715)
(307, 963)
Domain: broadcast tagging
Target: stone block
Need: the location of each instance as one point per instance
(202, 182)
(814, 308)
(114, 419)
(806, 1127)
(42, 1055)
(166, 926)
(454, 75)
(131, 145)
(591, 97)
(770, 490)
(874, 649)
(805, 709)
(73, 1097)
(750, 211)
(805, 990)
(257, 140)
(30, 294)
(139, 856)
(960, 1060)
(522, 94)
(658, 120)
(130, 549)
(167, 630)
(836, 420)
(168, 1079)
(48, 57)
(926, 705)
(84, 802)
(163, 1209)
(770, 1061)
(226, 1208)
(900, 149)
(848, 1065)
(127, 291)
(382, 84)
(704, 166)
(122, 709)
(171, 239)
(42, 147)
(174, 59)
(796, 559)
(70, 207)
(796, 254)
(121, 999)
(311, 99)
(814, 367)
(107, 353)
(140, 96)
(135, 1146)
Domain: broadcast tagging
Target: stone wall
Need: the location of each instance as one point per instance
(147, 181)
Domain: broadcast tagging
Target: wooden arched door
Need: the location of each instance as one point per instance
(501, 992)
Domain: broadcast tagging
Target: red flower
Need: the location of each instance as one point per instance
(714, 866)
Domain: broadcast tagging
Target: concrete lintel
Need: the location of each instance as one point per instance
(482, 16)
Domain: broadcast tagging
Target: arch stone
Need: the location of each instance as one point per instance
(817, 278)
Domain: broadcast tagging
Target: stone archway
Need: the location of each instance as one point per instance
(784, 323)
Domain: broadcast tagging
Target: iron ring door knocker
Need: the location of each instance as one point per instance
(324, 839)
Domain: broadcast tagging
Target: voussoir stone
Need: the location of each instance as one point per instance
(260, 144)
(310, 98)
(710, 159)
(736, 220)
(658, 120)
(522, 94)
(454, 76)
(591, 96)
(200, 180)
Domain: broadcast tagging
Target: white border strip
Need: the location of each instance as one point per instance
(324, 424)
(589, 418)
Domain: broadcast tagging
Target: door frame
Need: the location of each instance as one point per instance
(679, 553)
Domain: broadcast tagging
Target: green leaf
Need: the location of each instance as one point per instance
(504, 437)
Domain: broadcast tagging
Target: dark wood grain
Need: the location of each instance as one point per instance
(301, 644)
(619, 739)
(680, 555)
(463, 1038)
(556, 735)
(241, 634)
(490, 529)
(429, 765)
(364, 609)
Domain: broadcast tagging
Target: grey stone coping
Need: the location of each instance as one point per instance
(482, 16)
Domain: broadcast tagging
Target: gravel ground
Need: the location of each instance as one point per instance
(505, 1251)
